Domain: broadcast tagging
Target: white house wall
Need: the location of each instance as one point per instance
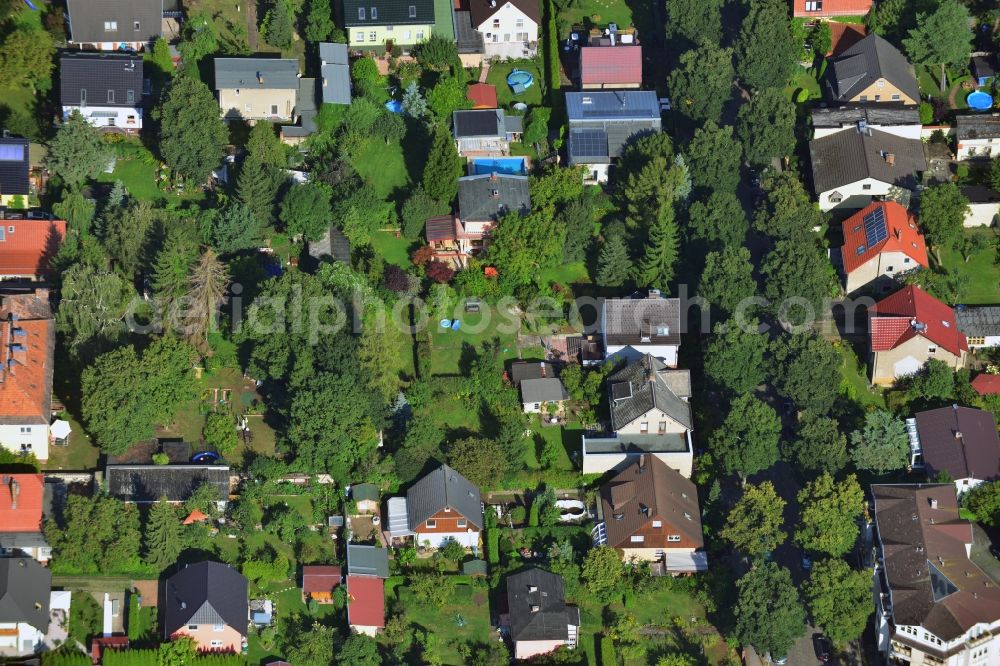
(501, 31)
(905, 131)
(977, 148)
(981, 214)
(99, 116)
(438, 539)
(854, 195)
(12, 438)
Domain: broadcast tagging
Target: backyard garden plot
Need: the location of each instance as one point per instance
(463, 618)
(979, 277)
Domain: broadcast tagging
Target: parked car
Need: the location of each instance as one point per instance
(822, 646)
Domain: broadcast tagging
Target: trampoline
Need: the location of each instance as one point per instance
(979, 101)
(205, 457)
(520, 80)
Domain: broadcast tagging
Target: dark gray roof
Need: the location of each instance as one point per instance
(88, 19)
(364, 491)
(978, 320)
(961, 441)
(977, 126)
(387, 12)
(334, 245)
(547, 389)
(477, 202)
(615, 105)
(847, 157)
(335, 72)
(367, 561)
(648, 384)
(977, 194)
(521, 370)
(12, 540)
(14, 165)
(672, 442)
(873, 114)
(633, 321)
(24, 592)
(205, 593)
(864, 63)
(982, 66)
(305, 109)
(537, 607)
(444, 488)
(256, 73)
(469, 39)
(148, 483)
(109, 79)
(479, 123)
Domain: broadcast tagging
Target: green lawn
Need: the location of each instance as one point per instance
(465, 618)
(393, 250)
(136, 168)
(383, 165)
(600, 13)
(443, 25)
(803, 80)
(982, 274)
(301, 503)
(853, 382)
(476, 328)
(572, 273)
(555, 434)
(505, 96)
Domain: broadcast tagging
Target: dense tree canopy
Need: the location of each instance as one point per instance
(192, 136)
(829, 512)
(768, 613)
(734, 358)
(747, 440)
(755, 524)
(942, 214)
(881, 445)
(714, 158)
(766, 126)
(77, 153)
(703, 82)
(765, 49)
(941, 37)
(839, 599)
(806, 370)
(727, 282)
(818, 446)
(797, 280)
(95, 535)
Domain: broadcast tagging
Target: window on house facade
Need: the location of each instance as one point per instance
(663, 427)
(906, 260)
(462, 522)
(3, 237)
(866, 186)
(864, 98)
(413, 11)
(519, 23)
(406, 36)
(218, 627)
(374, 13)
(247, 108)
(360, 38)
(496, 24)
(878, 98)
(932, 350)
(814, 5)
(836, 197)
(637, 538)
(372, 36)
(657, 523)
(83, 96)
(110, 26)
(644, 426)
(977, 340)
(216, 644)
(361, 13)
(135, 26)
(111, 97)
(130, 96)
(673, 538)
(895, 98)
(274, 109)
(192, 627)
(420, 36)
(388, 28)
(26, 430)
(431, 524)
(522, 36)
(888, 269)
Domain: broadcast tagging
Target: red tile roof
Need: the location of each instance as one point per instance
(833, 8)
(986, 384)
(844, 35)
(26, 386)
(611, 65)
(28, 249)
(320, 578)
(911, 312)
(27, 515)
(195, 516)
(365, 601)
(482, 96)
(903, 236)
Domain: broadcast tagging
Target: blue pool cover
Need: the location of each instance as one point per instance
(979, 100)
(509, 165)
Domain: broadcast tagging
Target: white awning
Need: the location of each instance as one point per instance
(399, 524)
(686, 562)
(60, 429)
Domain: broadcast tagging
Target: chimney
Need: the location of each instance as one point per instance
(890, 159)
(958, 434)
(934, 503)
(260, 78)
(15, 491)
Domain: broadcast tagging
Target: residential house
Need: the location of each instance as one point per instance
(649, 511)
(27, 336)
(444, 506)
(850, 168)
(363, 560)
(633, 327)
(983, 69)
(21, 500)
(934, 604)
(378, 24)
(986, 384)
(207, 602)
(881, 242)
(319, 582)
(650, 415)
(485, 132)
(482, 96)
(104, 88)
(144, 484)
(958, 441)
(873, 70)
(114, 25)
(977, 136)
(907, 329)
(984, 206)
(980, 324)
(28, 244)
(366, 497)
(538, 619)
(255, 89)
(902, 121)
(335, 71)
(828, 8)
(365, 604)
(601, 124)
(15, 167)
(509, 27)
(614, 67)
(482, 201)
(521, 370)
(538, 394)
(25, 587)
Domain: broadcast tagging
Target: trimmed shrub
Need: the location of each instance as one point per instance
(493, 546)
(608, 655)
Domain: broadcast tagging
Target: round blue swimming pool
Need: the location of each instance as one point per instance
(979, 101)
(520, 80)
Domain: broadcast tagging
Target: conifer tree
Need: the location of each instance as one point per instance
(614, 263)
(443, 168)
(657, 267)
(162, 539)
(260, 177)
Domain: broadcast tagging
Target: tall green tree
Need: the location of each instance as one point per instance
(173, 263)
(319, 21)
(766, 49)
(766, 126)
(207, 283)
(359, 650)
(613, 263)
(806, 369)
(703, 83)
(768, 613)
(691, 22)
(734, 358)
(727, 282)
(92, 309)
(818, 446)
(127, 232)
(95, 535)
(261, 174)
(192, 135)
(941, 37)
(714, 157)
(942, 214)
(380, 357)
(755, 524)
(657, 266)
(481, 461)
(305, 210)
(162, 538)
(747, 440)
(25, 57)
(984, 501)
(77, 153)
(882, 444)
(443, 167)
(279, 24)
(603, 572)
(797, 280)
(234, 228)
(828, 515)
(789, 212)
(839, 599)
(523, 245)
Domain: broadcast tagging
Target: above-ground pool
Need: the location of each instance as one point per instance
(979, 100)
(394, 105)
(520, 80)
(570, 510)
(509, 165)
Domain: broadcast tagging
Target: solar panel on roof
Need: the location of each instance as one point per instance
(12, 152)
(876, 229)
(588, 143)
